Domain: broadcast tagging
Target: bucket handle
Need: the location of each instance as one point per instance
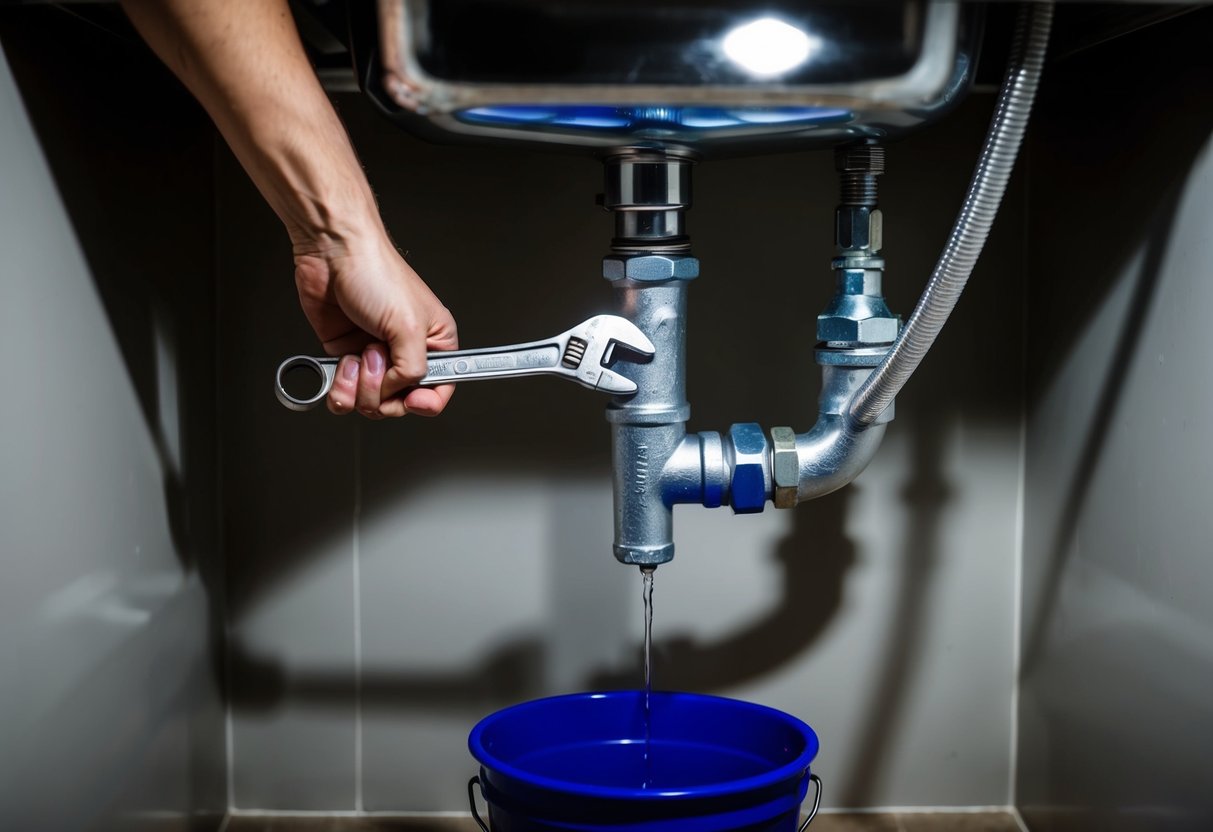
(475, 781)
(816, 803)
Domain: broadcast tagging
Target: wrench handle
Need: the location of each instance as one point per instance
(472, 365)
(324, 367)
(444, 368)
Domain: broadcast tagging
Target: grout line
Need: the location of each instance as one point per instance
(220, 529)
(227, 818)
(1017, 614)
(229, 736)
(917, 810)
(342, 813)
(357, 576)
(1020, 499)
(895, 811)
(1019, 821)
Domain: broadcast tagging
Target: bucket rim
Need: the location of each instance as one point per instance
(797, 768)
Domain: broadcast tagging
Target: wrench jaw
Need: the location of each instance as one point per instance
(637, 346)
(612, 382)
(602, 334)
(595, 376)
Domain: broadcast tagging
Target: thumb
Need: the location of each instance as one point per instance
(406, 349)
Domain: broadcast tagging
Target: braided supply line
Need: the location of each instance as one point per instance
(972, 226)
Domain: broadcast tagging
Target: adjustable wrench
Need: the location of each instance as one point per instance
(580, 354)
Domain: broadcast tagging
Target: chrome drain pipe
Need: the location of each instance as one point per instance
(650, 267)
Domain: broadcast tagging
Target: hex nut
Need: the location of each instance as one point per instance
(878, 330)
(851, 331)
(858, 228)
(650, 267)
(751, 458)
(785, 467)
(835, 328)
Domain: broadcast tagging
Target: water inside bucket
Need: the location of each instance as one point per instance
(595, 743)
(662, 766)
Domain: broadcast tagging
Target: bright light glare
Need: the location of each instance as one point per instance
(767, 46)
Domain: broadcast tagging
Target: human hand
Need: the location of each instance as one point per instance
(367, 305)
(363, 300)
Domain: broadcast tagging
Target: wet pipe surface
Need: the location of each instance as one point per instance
(856, 822)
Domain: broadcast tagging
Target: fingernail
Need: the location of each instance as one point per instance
(374, 361)
(349, 370)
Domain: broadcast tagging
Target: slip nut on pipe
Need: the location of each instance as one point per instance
(785, 467)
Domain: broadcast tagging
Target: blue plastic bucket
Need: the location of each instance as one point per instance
(579, 762)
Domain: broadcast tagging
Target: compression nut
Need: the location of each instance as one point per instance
(751, 468)
(785, 467)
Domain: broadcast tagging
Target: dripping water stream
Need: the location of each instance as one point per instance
(647, 589)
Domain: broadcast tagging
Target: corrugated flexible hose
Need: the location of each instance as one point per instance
(972, 225)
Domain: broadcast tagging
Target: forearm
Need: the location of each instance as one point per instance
(243, 61)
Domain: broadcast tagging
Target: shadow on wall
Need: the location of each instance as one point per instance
(813, 560)
(143, 217)
(1112, 760)
(135, 182)
(1136, 207)
(927, 493)
(1114, 708)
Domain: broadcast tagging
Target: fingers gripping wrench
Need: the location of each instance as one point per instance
(581, 354)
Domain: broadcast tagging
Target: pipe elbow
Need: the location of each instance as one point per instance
(832, 454)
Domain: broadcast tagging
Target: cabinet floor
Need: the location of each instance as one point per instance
(858, 822)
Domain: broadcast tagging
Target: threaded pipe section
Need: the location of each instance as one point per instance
(858, 165)
(858, 189)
